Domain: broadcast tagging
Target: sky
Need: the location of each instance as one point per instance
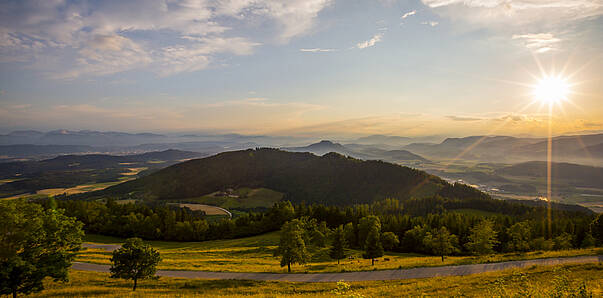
(300, 67)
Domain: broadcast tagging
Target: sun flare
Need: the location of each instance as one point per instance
(551, 89)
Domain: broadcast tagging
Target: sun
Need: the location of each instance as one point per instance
(551, 89)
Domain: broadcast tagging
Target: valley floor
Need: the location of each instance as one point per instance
(536, 281)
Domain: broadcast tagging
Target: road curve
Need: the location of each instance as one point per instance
(395, 274)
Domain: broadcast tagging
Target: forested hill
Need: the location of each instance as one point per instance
(302, 177)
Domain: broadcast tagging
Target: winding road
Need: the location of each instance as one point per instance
(396, 274)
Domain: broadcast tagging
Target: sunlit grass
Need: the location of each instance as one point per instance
(255, 254)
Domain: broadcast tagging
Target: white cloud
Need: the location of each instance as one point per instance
(68, 39)
(317, 50)
(408, 14)
(430, 23)
(517, 12)
(371, 42)
(539, 42)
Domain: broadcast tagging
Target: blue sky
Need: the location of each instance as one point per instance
(313, 67)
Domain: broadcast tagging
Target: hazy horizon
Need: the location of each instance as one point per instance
(321, 67)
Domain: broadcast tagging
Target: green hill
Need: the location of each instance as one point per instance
(301, 177)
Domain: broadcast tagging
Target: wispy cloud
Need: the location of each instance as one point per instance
(371, 42)
(518, 12)
(317, 50)
(71, 39)
(461, 118)
(539, 42)
(408, 14)
(430, 23)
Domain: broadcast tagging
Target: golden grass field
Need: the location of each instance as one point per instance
(127, 176)
(255, 254)
(528, 282)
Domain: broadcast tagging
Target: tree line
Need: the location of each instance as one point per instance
(428, 235)
(409, 221)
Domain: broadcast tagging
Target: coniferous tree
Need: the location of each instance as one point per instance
(350, 234)
(596, 229)
(482, 238)
(337, 250)
(372, 247)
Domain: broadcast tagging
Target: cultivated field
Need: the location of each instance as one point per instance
(557, 281)
(255, 254)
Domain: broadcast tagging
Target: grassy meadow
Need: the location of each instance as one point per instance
(536, 281)
(240, 198)
(255, 254)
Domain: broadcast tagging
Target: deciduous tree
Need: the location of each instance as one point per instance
(441, 242)
(134, 260)
(519, 237)
(364, 227)
(292, 247)
(34, 244)
(389, 240)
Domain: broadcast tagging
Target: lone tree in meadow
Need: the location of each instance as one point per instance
(482, 238)
(34, 244)
(292, 247)
(134, 260)
(441, 242)
(372, 247)
(337, 251)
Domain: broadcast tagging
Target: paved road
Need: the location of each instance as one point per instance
(362, 275)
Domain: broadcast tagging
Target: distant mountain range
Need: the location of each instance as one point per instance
(366, 152)
(579, 148)
(394, 141)
(82, 137)
(584, 149)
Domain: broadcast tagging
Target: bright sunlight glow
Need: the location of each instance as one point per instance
(551, 89)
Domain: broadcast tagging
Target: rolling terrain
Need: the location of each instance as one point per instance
(301, 177)
(59, 174)
(366, 152)
(576, 149)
